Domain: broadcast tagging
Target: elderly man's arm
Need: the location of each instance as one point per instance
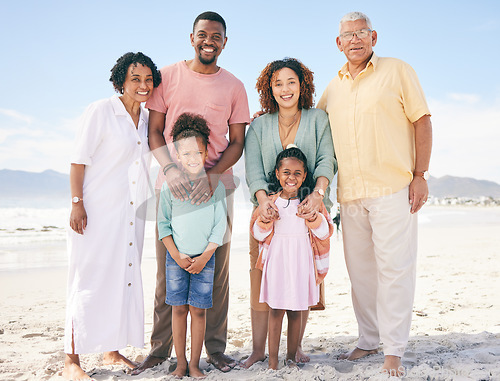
(419, 190)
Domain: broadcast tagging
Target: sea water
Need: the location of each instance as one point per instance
(36, 238)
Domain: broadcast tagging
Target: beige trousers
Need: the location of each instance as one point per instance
(380, 248)
(216, 332)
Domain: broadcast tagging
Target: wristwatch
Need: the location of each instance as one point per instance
(425, 174)
(76, 200)
(320, 191)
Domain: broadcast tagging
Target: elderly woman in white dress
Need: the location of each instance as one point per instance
(109, 187)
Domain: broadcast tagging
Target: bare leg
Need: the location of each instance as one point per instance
(275, 324)
(294, 327)
(357, 353)
(72, 369)
(198, 323)
(115, 358)
(393, 367)
(260, 322)
(300, 355)
(179, 329)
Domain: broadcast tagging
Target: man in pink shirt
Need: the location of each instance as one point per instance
(198, 86)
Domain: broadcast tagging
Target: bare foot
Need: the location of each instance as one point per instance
(300, 356)
(195, 371)
(115, 358)
(291, 364)
(273, 364)
(254, 357)
(222, 361)
(72, 370)
(149, 362)
(180, 370)
(357, 353)
(393, 367)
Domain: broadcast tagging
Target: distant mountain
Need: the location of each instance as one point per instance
(450, 186)
(51, 189)
(29, 189)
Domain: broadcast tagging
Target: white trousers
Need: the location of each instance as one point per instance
(380, 248)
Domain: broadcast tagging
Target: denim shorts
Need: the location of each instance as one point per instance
(185, 288)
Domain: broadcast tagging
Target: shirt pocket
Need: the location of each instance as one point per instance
(216, 115)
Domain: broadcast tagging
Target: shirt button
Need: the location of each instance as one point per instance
(130, 284)
(131, 223)
(139, 142)
(131, 203)
(133, 182)
(137, 162)
(130, 264)
(130, 244)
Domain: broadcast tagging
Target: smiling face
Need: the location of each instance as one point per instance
(286, 88)
(192, 153)
(291, 174)
(357, 51)
(138, 85)
(208, 40)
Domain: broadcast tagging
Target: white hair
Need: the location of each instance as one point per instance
(353, 16)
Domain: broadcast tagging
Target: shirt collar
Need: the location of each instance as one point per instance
(373, 62)
(119, 108)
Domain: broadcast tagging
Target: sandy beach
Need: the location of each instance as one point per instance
(455, 333)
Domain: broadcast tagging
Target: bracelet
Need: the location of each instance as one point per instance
(167, 167)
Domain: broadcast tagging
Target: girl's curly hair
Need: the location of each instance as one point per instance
(119, 71)
(188, 125)
(266, 77)
(307, 186)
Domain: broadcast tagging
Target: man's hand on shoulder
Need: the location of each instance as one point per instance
(177, 182)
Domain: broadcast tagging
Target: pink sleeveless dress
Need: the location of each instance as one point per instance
(288, 276)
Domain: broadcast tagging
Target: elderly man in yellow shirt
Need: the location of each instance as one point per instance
(382, 135)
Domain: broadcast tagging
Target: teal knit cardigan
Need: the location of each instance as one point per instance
(262, 145)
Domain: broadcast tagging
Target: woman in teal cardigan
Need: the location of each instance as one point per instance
(286, 96)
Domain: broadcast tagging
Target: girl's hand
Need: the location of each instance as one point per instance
(78, 218)
(310, 205)
(184, 261)
(268, 211)
(197, 265)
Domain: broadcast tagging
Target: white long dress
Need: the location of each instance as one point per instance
(105, 308)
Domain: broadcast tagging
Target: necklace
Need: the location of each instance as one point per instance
(288, 132)
(291, 124)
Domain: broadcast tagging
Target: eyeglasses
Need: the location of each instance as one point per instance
(362, 33)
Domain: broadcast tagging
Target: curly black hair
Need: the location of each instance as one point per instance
(266, 77)
(307, 186)
(119, 71)
(211, 16)
(188, 125)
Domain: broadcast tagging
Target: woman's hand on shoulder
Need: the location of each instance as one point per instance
(308, 208)
(78, 218)
(267, 209)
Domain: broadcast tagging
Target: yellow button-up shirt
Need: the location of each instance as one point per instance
(371, 117)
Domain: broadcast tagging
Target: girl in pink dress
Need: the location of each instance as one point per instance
(293, 251)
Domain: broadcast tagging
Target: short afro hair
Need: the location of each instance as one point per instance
(211, 16)
(266, 77)
(188, 125)
(119, 71)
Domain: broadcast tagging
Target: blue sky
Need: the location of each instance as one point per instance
(56, 57)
